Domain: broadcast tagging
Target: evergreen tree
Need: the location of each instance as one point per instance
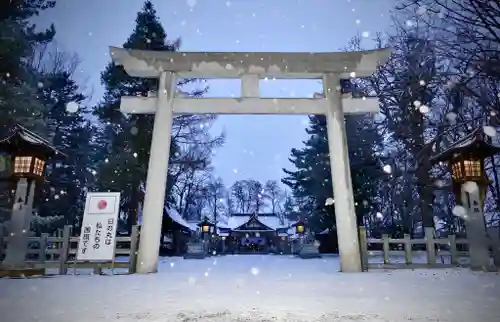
(68, 175)
(18, 80)
(311, 181)
(127, 139)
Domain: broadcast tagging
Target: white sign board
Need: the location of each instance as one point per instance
(97, 238)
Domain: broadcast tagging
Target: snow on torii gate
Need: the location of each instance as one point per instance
(250, 67)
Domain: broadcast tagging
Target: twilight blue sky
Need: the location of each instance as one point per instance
(256, 146)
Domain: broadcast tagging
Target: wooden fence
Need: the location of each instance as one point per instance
(439, 252)
(59, 253)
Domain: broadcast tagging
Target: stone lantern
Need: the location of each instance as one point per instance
(22, 162)
(470, 184)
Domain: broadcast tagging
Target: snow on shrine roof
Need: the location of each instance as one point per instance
(237, 221)
(20, 132)
(147, 63)
(175, 216)
(222, 225)
(270, 220)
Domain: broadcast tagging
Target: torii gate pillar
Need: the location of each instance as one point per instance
(249, 67)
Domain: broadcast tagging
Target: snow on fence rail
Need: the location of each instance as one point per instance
(448, 250)
(59, 252)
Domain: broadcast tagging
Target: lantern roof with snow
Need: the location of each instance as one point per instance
(20, 140)
(206, 222)
(475, 145)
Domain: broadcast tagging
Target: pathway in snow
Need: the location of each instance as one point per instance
(255, 288)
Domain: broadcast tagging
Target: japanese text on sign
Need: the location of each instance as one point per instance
(97, 235)
(109, 232)
(85, 238)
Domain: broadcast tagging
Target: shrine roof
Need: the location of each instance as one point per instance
(267, 219)
(147, 63)
(176, 217)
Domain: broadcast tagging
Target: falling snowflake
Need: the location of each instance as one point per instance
(489, 131)
(451, 117)
(424, 109)
(421, 10)
(72, 107)
(460, 212)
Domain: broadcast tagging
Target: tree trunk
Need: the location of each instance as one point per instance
(425, 193)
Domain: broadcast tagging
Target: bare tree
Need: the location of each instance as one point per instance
(241, 196)
(256, 195)
(215, 192)
(273, 193)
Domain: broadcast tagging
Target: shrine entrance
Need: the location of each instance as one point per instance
(250, 67)
(254, 237)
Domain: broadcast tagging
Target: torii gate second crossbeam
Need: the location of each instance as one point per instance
(250, 67)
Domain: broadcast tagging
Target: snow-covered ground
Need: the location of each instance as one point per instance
(255, 288)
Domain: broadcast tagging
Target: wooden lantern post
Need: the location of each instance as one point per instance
(470, 184)
(23, 155)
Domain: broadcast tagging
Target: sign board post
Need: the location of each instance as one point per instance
(98, 234)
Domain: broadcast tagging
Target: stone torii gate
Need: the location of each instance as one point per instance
(250, 67)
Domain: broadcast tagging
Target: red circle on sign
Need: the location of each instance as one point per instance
(102, 204)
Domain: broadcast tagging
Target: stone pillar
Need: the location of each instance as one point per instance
(156, 183)
(19, 226)
(350, 257)
(476, 231)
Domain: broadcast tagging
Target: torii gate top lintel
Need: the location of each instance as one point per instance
(144, 63)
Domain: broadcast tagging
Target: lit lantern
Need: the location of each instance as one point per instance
(22, 161)
(27, 153)
(205, 225)
(466, 160)
(300, 227)
(28, 166)
(470, 184)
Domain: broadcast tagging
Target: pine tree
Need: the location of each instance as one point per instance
(311, 182)
(68, 175)
(127, 139)
(18, 80)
